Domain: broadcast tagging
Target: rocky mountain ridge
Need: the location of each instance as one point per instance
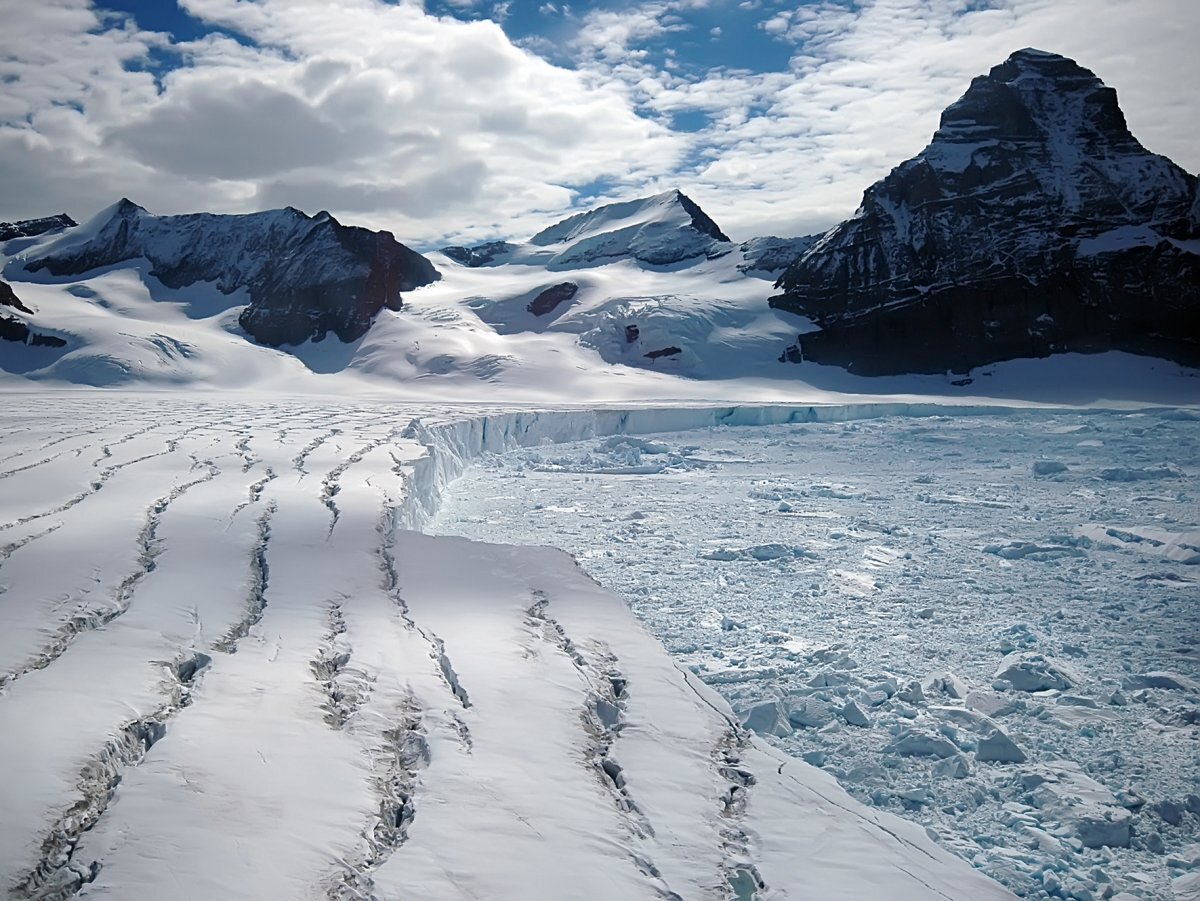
(30, 228)
(1033, 223)
(305, 276)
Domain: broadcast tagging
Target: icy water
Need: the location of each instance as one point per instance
(988, 624)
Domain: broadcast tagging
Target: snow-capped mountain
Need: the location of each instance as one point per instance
(1033, 223)
(304, 275)
(644, 285)
(666, 229)
(29, 228)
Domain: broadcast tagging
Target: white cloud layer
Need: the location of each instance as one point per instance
(433, 127)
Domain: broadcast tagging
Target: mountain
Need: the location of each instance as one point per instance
(1033, 223)
(29, 228)
(665, 229)
(305, 276)
(15, 329)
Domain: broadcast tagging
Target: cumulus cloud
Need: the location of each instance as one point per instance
(792, 151)
(401, 119)
(432, 127)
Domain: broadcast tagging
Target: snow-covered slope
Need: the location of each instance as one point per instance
(1033, 223)
(226, 674)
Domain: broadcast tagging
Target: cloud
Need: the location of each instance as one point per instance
(432, 127)
(792, 151)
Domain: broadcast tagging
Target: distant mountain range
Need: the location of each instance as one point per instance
(1034, 223)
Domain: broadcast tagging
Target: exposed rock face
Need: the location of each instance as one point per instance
(479, 254)
(671, 351)
(13, 329)
(662, 230)
(10, 299)
(549, 299)
(772, 254)
(1034, 223)
(306, 276)
(28, 228)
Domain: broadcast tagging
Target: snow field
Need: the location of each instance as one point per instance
(986, 624)
(225, 672)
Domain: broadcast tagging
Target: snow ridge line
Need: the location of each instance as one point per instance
(602, 718)
(256, 600)
(57, 876)
(85, 620)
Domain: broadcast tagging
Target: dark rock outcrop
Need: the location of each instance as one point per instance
(479, 254)
(14, 329)
(1034, 223)
(671, 351)
(9, 299)
(305, 276)
(29, 228)
(547, 300)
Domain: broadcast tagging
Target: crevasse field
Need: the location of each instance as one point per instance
(231, 666)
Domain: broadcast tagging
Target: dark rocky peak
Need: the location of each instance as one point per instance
(1047, 118)
(305, 275)
(1033, 223)
(701, 221)
(29, 228)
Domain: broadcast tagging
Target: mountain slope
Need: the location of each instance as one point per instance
(665, 229)
(305, 275)
(1033, 223)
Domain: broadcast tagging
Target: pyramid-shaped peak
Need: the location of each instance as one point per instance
(126, 208)
(1037, 95)
(668, 208)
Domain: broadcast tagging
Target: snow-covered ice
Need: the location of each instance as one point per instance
(226, 672)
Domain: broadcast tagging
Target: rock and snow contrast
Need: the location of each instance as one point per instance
(304, 276)
(860, 628)
(1033, 223)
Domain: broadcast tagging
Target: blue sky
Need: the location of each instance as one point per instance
(472, 119)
